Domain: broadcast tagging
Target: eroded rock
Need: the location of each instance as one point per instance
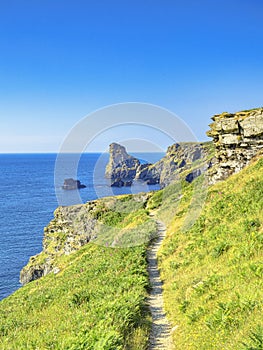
(184, 161)
(122, 167)
(71, 228)
(238, 137)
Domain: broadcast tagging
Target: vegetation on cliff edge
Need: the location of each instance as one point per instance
(96, 301)
(213, 273)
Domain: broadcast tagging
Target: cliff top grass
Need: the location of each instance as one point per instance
(96, 301)
(213, 273)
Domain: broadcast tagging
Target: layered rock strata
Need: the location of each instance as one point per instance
(237, 137)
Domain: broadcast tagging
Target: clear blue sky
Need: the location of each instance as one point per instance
(61, 60)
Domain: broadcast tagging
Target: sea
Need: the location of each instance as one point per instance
(30, 191)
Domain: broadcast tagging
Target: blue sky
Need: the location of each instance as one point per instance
(61, 60)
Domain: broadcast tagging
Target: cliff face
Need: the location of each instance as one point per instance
(71, 228)
(104, 221)
(187, 159)
(184, 161)
(238, 138)
(122, 167)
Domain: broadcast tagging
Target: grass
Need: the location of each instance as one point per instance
(121, 221)
(97, 300)
(124, 221)
(255, 339)
(213, 272)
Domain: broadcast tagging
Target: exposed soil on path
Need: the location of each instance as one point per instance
(160, 337)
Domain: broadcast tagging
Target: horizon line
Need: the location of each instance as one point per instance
(95, 152)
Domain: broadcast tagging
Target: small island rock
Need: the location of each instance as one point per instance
(71, 184)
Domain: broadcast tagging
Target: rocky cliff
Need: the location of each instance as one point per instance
(237, 137)
(122, 167)
(71, 228)
(185, 160)
(75, 226)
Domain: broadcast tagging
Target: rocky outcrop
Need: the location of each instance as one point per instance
(148, 173)
(71, 184)
(71, 228)
(184, 161)
(74, 227)
(238, 137)
(122, 167)
(179, 159)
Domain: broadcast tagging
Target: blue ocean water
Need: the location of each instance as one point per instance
(28, 198)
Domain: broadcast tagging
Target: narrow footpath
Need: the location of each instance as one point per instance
(160, 337)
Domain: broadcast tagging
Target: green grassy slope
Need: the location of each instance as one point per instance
(213, 273)
(96, 301)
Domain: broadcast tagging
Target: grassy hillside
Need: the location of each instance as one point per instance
(212, 269)
(96, 301)
(213, 272)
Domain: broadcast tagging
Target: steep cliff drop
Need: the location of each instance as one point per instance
(182, 161)
(122, 167)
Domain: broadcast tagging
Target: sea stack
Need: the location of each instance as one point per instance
(122, 167)
(71, 184)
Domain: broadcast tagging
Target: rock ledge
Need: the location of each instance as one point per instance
(238, 137)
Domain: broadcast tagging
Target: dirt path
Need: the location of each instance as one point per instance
(160, 337)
